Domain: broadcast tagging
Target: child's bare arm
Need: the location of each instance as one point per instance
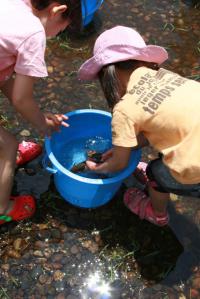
(20, 93)
(115, 162)
(7, 87)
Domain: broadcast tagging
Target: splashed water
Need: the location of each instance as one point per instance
(76, 152)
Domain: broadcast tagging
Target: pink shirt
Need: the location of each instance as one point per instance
(22, 41)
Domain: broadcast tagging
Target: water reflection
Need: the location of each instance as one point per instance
(96, 286)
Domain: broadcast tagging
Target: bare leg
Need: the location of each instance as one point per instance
(159, 200)
(8, 150)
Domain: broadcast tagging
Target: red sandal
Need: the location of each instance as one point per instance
(24, 207)
(27, 151)
(140, 204)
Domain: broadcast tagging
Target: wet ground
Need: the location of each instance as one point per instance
(66, 252)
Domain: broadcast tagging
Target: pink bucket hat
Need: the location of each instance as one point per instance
(119, 43)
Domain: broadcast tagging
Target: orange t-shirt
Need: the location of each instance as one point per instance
(165, 107)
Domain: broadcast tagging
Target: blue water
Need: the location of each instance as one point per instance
(75, 152)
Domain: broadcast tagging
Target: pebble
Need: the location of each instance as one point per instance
(74, 249)
(43, 278)
(58, 275)
(41, 244)
(5, 267)
(63, 228)
(47, 252)
(57, 266)
(25, 133)
(157, 287)
(56, 234)
(50, 69)
(13, 254)
(20, 244)
(57, 257)
(38, 253)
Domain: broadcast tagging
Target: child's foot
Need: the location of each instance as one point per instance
(23, 207)
(27, 151)
(140, 204)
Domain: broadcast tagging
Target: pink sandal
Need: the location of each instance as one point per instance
(140, 204)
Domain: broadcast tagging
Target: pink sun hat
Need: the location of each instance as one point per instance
(119, 43)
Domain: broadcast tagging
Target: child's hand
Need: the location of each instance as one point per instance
(107, 155)
(54, 121)
(91, 165)
(97, 167)
(113, 160)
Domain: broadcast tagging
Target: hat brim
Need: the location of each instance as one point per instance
(90, 68)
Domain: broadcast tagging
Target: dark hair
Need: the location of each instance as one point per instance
(73, 10)
(109, 82)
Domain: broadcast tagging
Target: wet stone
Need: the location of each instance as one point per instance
(5, 267)
(57, 257)
(59, 285)
(13, 254)
(47, 252)
(56, 234)
(17, 244)
(43, 278)
(36, 271)
(25, 281)
(51, 291)
(41, 244)
(41, 289)
(43, 235)
(58, 275)
(63, 228)
(74, 249)
(38, 253)
(57, 266)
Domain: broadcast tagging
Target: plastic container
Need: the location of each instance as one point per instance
(89, 7)
(82, 191)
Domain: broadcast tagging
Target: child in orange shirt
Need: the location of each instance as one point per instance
(150, 105)
(24, 26)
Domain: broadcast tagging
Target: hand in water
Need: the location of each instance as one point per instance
(97, 166)
(107, 155)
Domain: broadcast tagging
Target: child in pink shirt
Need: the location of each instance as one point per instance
(24, 26)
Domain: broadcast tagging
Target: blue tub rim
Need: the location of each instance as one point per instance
(58, 167)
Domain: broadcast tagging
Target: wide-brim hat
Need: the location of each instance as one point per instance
(119, 43)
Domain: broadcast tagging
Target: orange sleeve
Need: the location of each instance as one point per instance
(123, 131)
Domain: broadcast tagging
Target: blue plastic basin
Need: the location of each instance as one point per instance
(82, 191)
(89, 7)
